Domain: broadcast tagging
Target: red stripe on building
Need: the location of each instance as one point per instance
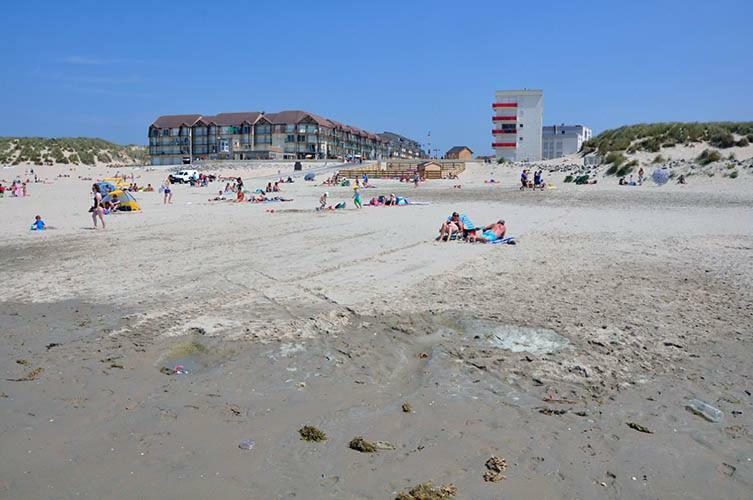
(504, 118)
(498, 131)
(505, 105)
(503, 144)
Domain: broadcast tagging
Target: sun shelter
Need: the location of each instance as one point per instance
(127, 202)
(105, 187)
(117, 181)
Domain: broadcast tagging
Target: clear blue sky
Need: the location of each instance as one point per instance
(107, 69)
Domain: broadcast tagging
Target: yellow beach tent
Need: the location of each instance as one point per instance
(118, 181)
(127, 202)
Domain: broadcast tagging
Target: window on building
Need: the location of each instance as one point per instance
(520, 125)
(290, 138)
(520, 139)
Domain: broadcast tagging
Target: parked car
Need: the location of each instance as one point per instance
(184, 176)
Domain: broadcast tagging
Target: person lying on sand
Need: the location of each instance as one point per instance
(490, 233)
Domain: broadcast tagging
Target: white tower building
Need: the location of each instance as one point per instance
(518, 120)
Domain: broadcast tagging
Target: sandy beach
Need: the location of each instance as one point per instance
(572, 355)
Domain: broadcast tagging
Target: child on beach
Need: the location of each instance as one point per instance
(357, 198)
(38, 224)
(168, 193)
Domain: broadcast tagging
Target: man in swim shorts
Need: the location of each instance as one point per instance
(491, 233)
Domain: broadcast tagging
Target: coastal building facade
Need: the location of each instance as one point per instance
(399, 146)
(517, 124)
(259, 135)
(563, 140)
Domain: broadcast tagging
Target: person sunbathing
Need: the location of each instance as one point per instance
(451, 226)
(491, 233)
(220, 196)
(240, 196)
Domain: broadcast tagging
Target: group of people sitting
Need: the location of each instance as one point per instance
(273, 188)
(536, 183)
(387, 201)
(134, 188)
(331, 181)
(459, 227)
(17, 189)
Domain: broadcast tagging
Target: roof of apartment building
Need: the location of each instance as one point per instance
(392, 136)
(282, 117)
(458, 149)
(227, 119)
(172, 121)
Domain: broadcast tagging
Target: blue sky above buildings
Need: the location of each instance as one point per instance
(107, 69)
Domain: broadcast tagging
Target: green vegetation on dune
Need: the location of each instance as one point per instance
(75, 150)
(652, 137)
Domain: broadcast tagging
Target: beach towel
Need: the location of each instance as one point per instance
(507, 240)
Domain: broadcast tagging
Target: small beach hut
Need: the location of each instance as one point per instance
(127, 202)
(430, 170)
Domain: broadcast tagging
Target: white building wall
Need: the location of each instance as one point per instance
(528, 116)
(563, 140)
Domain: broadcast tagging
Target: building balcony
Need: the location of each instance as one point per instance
(504, 131)
(504, 118)
(503, 145)
(504, 105)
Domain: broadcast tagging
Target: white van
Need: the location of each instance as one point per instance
(184, 176)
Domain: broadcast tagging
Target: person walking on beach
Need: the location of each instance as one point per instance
(640, 176)
(357, 198)
(168, 193)
(97, 209)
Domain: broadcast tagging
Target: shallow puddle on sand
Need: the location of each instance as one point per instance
(191, 356)
(516, 338)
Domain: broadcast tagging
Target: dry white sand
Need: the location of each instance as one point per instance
(617, 305)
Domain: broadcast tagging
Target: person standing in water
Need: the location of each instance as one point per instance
(97, 208)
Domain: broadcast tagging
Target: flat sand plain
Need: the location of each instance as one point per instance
(617, 306)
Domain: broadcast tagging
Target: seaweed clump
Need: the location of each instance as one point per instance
(358, 443)
(311, 433)
(407, 408)
(426, 491)
(495, 467)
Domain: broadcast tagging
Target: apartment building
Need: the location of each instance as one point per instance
(518, 120)
(259, 135)
(563, 140)
(399, 146)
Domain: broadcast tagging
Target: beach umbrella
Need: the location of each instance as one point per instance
(660, 176)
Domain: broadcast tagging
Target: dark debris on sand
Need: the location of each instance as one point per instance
(311, 433)
(495, 467)
(426, 491)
